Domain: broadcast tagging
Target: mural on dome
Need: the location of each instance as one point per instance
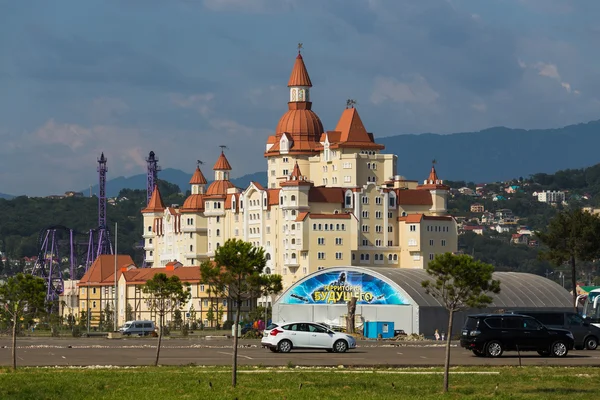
(339, 287)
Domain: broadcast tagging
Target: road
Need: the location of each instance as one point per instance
(136, 352)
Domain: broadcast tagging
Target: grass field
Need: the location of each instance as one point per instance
(192, 382)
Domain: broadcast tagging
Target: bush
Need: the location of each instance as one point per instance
(252, 334)
(227, 325)
(76, 332)
(184, 330)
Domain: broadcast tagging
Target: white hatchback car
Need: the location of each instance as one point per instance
(283, 337)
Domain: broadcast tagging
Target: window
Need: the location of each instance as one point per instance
(272, 172)
(365, 214)
(365, 200)
(378, 229)
(191, 247)
(443, 243)
(285, 159)
(347, 179)
(224, 302)
(416, 257)
(321, 256)
(348, 200)
(431, 242)
(286, 172)
(202, 288)
(93, 304)
(347, 165)
(378, 242)
(293, 198)
(218, 232)
(378, 200)
(413, 228)
(343, 227)
(338, 256)
(321, 241)
(390, 243)
(205, 303)
(412, 242)
(390, 228)
(94, 292)
(378, 214)
(431, 256)
(392, 201)
(365, 228)
(338, 241)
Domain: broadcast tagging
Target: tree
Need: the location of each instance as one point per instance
(572, 236)
(108, 318)
(22, 297)
(459, 282)
(165, 295)
(129, 313)
(236, 274)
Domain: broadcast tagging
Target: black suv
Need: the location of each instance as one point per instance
(492, 334)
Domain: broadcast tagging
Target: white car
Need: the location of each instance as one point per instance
(283, 337)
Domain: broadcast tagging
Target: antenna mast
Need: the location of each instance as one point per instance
(152, 178)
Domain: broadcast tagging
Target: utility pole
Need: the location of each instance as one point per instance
(115, 293)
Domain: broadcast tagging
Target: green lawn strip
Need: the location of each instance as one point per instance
(191, 382)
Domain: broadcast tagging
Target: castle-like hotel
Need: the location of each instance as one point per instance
(332, 199)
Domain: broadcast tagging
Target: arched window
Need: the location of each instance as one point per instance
(293, 241)
(218, 245)
(390, 257)
(293, 256)
(395, 257)
(281, 200)
(267, 256)
(191, 247)
(293, 227)
(314, 227)
(293, 198)
(149, 228)
(390, 229)
(267, 270)
(218, 232)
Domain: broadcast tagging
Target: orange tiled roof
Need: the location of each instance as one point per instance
(302, 216)
(102, 271)
(417, 218)
(140, 276)
(300, 122)
(350, 132)
(198, 178)
(326, 195)
(273, 197)
(330, 216)
(229, 201)
(222, 164)
(414, 197)
(219, 188)
(194, 203)
(156, 203)
(258, 185)
(299, 76)
(433, 175)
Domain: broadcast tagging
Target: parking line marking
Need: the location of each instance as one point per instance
(400, 353)
(239, 355)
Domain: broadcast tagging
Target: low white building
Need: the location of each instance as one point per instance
(553, 196)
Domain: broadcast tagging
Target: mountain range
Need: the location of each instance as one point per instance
(493, 154)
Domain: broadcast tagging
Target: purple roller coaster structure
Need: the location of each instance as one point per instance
(53, 239)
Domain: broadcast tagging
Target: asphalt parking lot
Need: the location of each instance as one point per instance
(141, 351)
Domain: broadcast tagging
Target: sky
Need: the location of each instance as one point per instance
(182, 77)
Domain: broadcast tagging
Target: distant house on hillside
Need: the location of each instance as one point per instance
(73, 194)
(505, 216)
(498, 198)
(477, 208)
(512, 189)
(478, 229)
(501, 228)
(518, 238)
(467, 191)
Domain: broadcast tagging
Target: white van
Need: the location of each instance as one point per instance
(142, 328)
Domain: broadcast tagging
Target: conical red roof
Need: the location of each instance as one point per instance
(156, 203)
(296, 172)
(433, 178)
(222, 164)
(198, 178)
(299, 76)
